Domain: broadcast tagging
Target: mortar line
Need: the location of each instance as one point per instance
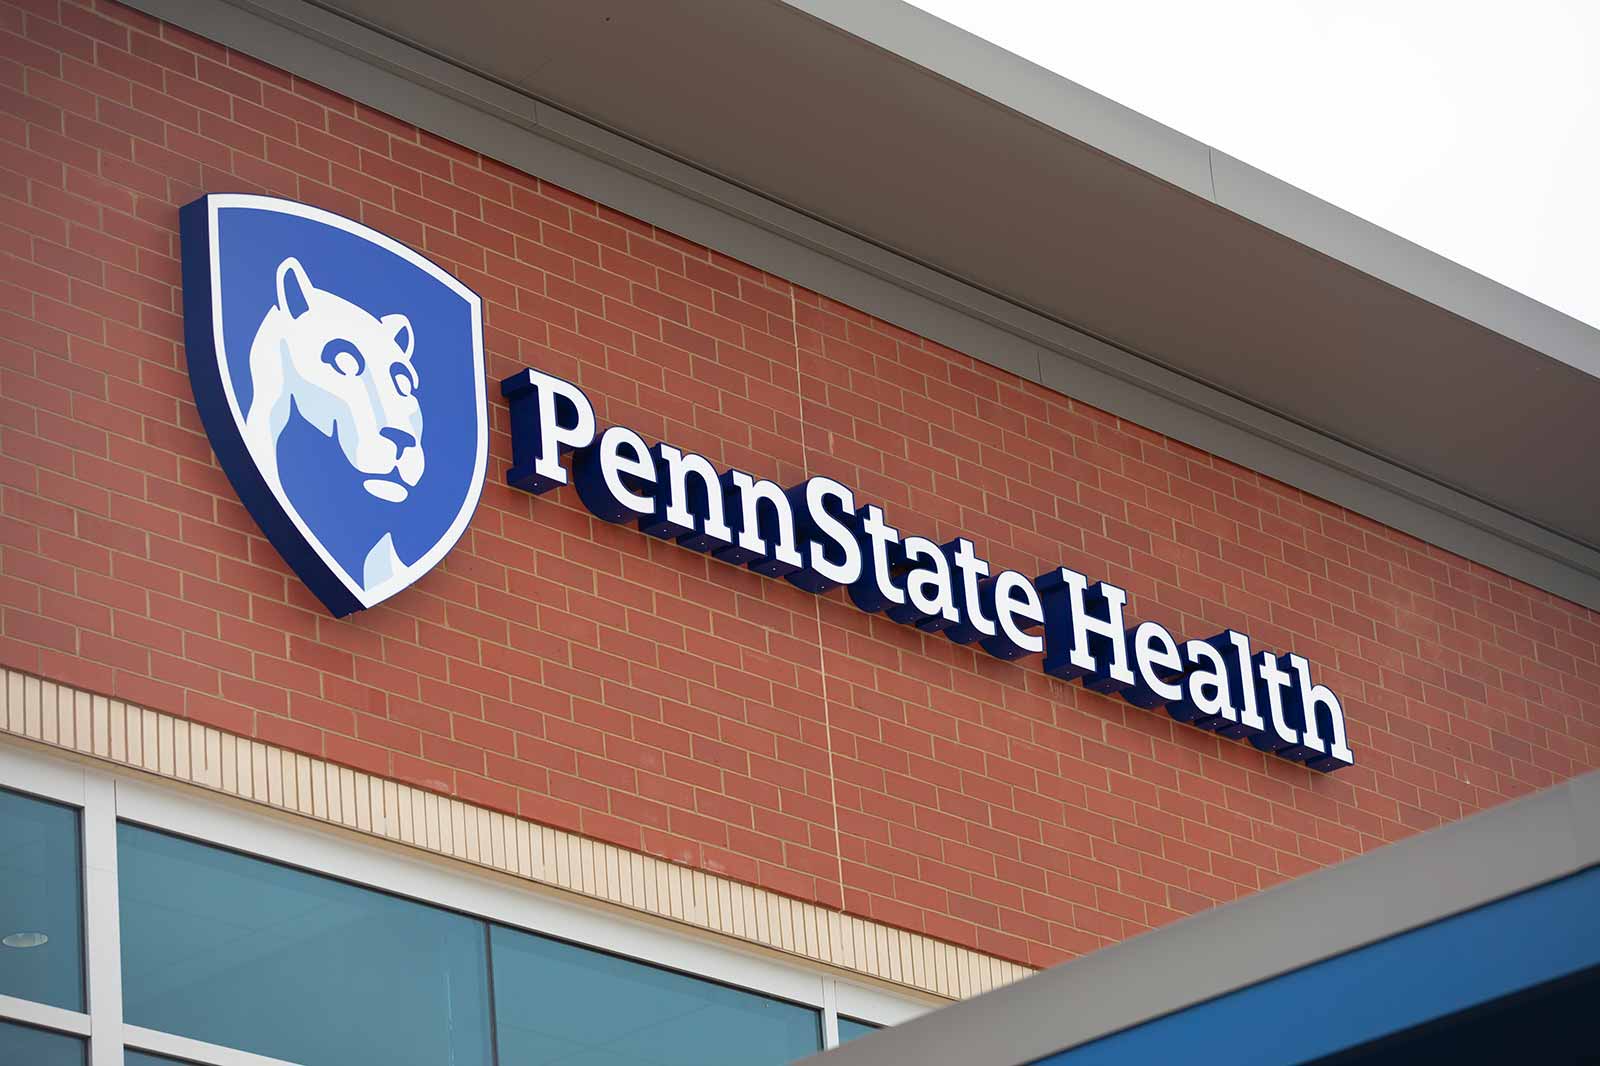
(822, 651)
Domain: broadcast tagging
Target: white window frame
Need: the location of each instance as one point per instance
(71, 785)
(104, 797)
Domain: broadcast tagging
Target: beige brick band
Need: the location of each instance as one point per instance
(126, 735)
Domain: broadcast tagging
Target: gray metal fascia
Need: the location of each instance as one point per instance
(1456, 868)
(1010, 80)
(1015, 83)
(927, 41)
(1371, 249)
(522, 132)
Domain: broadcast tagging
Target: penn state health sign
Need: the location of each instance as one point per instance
(818, 536)
(340, 377)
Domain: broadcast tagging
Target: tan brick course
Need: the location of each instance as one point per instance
(190, 754)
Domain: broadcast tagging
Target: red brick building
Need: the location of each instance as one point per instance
(886, 796)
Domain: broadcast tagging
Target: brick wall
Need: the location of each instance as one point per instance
(592, 678)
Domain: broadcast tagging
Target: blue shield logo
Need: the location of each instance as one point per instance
(340, 377)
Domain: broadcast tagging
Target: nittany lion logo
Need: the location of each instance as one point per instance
(340, 377)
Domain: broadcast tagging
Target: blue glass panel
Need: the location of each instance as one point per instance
(252, 955)
(25, 1046)
(850, 1029)
(144, 1058)
(40, 897)
(558, 1003)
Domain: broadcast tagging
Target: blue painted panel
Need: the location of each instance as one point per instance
(1451, 965)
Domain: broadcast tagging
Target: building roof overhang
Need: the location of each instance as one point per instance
(915, 135)
(1027, 202)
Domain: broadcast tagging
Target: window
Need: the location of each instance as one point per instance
(252, 955)
(27, 1046)
(559, 1003)
(850, 1029)
(376, 956)
(41, 902)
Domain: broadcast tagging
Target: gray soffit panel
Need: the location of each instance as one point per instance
(1023, 220)
(1360, 901)
(1122, 134)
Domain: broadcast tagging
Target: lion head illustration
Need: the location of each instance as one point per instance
(350, 376)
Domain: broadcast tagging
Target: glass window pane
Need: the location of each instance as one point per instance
(252, 955)
(144, 1058)
(41, 902)
(849, 1029)
(26, 1046)
(558, 1003)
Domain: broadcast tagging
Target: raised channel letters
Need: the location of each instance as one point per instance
(818, 536)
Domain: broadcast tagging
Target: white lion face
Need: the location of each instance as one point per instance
(350, 375)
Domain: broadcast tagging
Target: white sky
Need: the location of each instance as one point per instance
(1471, 128)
